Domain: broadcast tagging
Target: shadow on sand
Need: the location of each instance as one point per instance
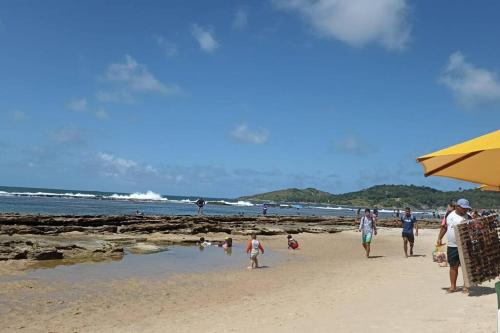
(418, 255)
(481, 291)
(475, 291)
(375, 257)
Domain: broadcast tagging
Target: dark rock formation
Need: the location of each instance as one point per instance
(44, 237)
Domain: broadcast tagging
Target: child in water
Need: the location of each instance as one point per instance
(253, 247)
(292, 243)
(203, 242)
(228, 243)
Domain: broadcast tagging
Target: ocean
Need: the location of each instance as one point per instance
(74, 202)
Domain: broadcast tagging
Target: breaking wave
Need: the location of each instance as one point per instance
(148, 196)
(47, 194)
(334, 208)
(239, 203)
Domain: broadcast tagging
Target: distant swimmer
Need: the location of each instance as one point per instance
(368, 228)
(408, 222)
(200, 203)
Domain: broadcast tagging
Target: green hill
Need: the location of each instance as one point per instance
(387, 196)
(292, 195)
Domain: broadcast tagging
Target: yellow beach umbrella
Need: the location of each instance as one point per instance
(489, 188)
(476, 161)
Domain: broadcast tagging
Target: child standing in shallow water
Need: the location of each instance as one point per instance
(253, 248)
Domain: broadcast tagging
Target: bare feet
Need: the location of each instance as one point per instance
(451, 290)
(465, 290)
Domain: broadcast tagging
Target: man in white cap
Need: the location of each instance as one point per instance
(459, 215)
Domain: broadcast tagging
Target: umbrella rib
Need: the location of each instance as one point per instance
(455, 161)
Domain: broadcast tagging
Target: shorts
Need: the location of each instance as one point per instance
(410, 236)
(254, 254)
(453, 257)
(366, 238)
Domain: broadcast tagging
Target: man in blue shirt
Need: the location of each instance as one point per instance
(408, 222)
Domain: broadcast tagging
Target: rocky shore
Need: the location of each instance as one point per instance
(44, 237)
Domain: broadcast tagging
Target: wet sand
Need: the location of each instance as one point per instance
(326, 286)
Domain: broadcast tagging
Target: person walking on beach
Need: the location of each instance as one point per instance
(253, 248)
(408, 222)
(459, 215)
(368, 228)
(200, 203)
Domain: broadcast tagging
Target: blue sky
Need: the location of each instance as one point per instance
(227, 98)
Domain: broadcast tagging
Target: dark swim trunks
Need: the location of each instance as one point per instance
(410, 237)
(453, 258)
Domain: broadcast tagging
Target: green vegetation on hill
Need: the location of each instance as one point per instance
(292, 195)
(388, 196)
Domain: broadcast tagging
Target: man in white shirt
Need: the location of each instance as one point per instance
(459, 215)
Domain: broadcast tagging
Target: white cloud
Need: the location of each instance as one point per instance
(355, 22)
(77, 104)
(81, 105)
(132, 78)
(115, 166)
(243, 134)
(203, 178)
(170, 49)
(101, 114)
(136, 77)
(351, 145)
(132, 171)
(240, 19)
(205, 37)
(119, 96)
(471, 85)
(69, 135)
(20, 116)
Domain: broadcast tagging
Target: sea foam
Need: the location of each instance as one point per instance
(148, 196)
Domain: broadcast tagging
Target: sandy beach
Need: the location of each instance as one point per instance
(328, 285)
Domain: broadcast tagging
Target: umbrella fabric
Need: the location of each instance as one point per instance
(489, 188)
(476, 161)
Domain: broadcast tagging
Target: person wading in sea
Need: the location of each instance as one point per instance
(200, 203)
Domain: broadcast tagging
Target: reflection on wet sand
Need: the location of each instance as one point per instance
(47, 264)
(156, 265)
